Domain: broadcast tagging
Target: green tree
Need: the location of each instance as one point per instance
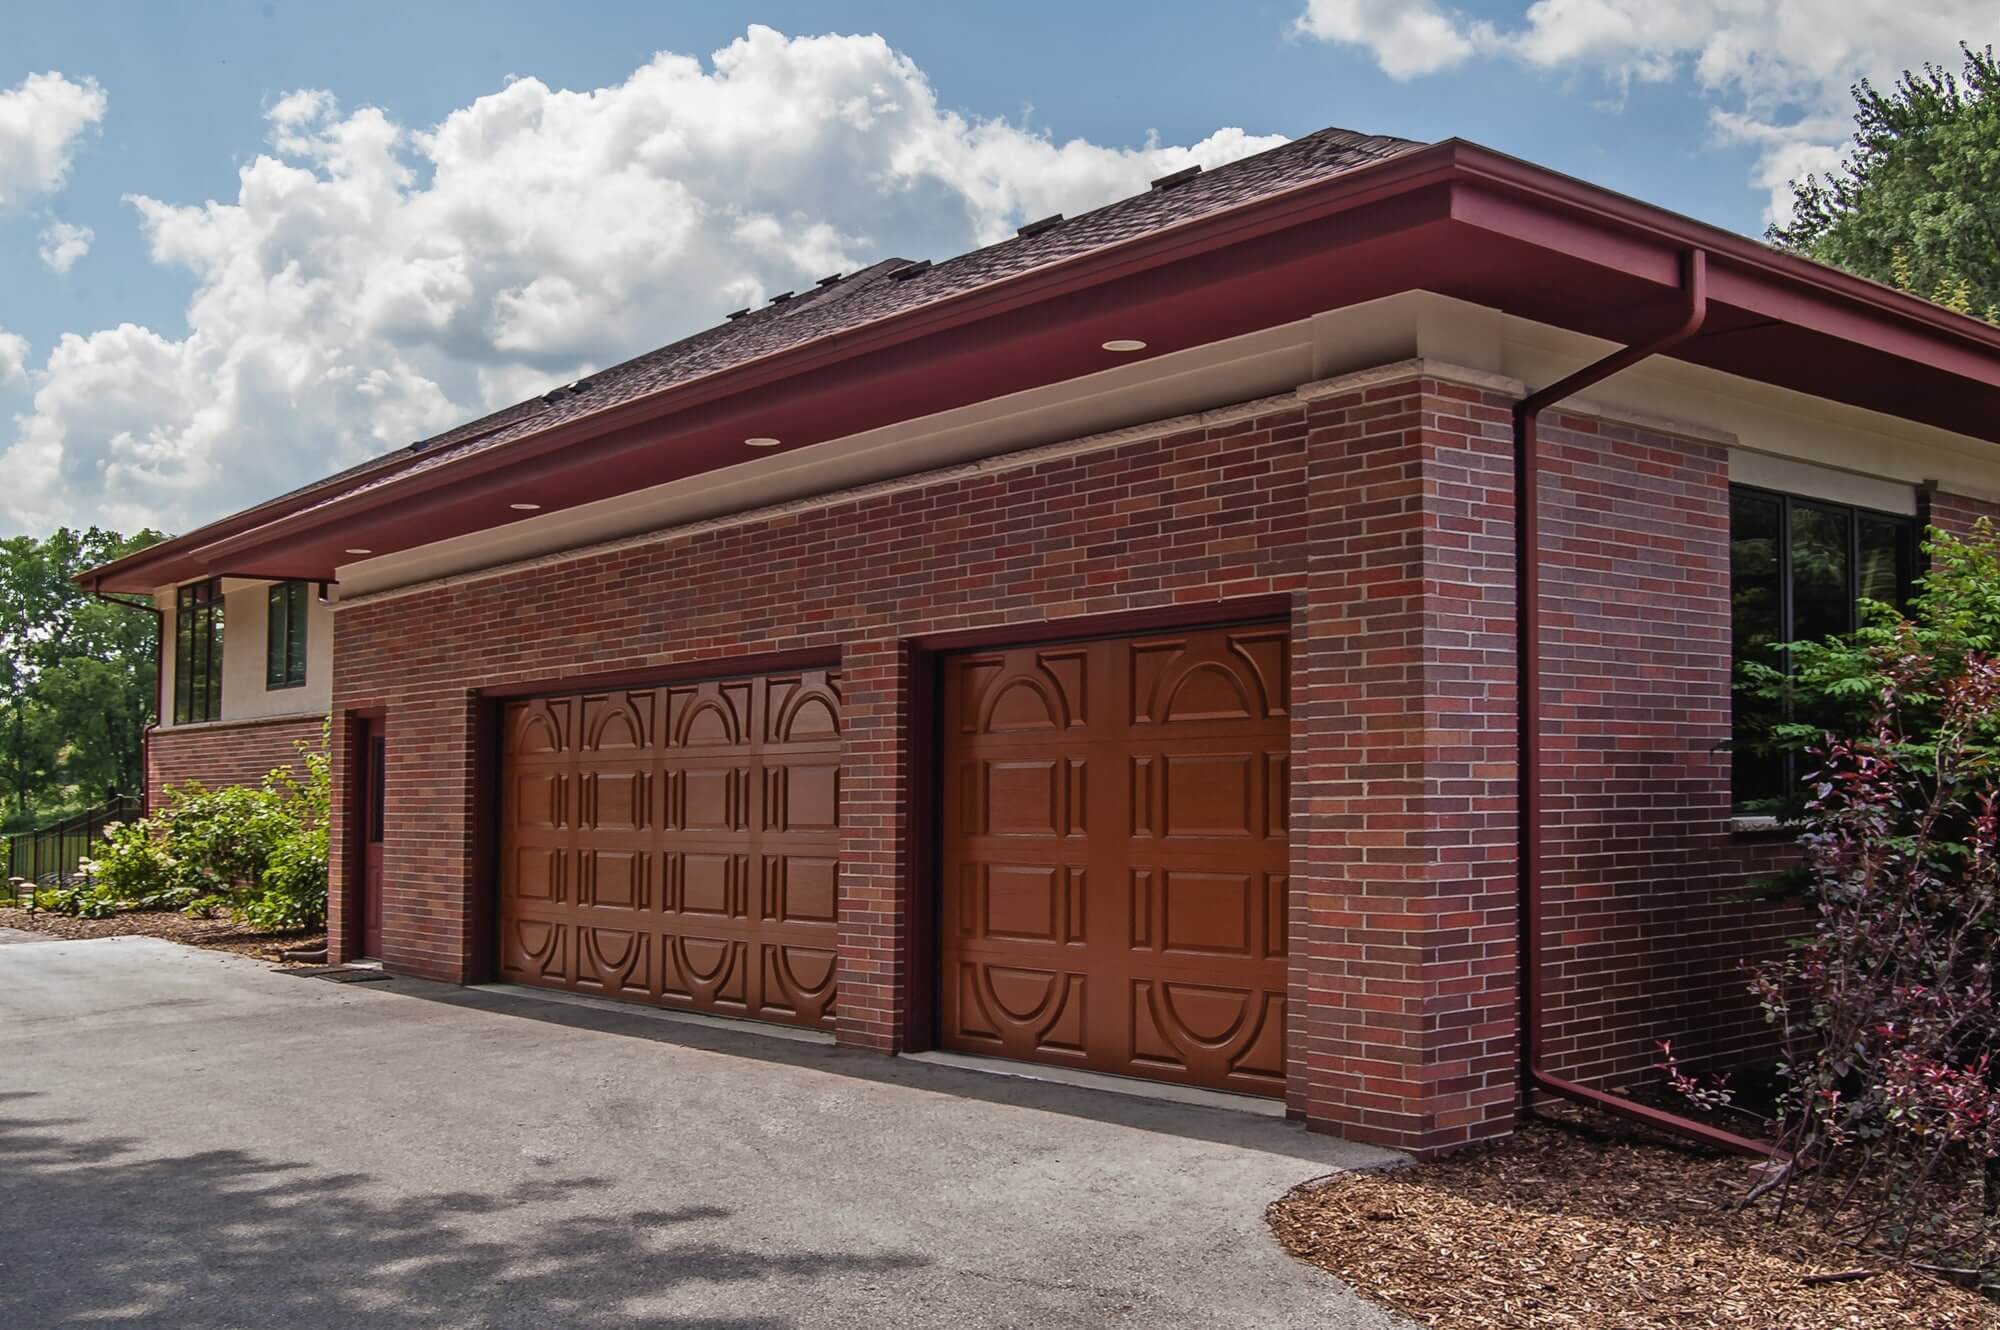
(76, 675)
(1916, 204)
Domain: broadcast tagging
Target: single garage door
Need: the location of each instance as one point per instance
(676, 845)
(1113, 855)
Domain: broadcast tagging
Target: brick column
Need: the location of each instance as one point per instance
(1402, 783)
(432, 911)
(876, 872)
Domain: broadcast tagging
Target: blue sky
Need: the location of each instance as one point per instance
(228, 383)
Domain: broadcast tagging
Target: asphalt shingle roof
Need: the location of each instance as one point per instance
(884, 290)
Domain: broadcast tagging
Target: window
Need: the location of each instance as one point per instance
(285, 637)
(1797, 568)
(198, 652)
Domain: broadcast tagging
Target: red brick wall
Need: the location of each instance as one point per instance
(1955, 512)
(1382, 515)
(1403, 768)
(1635, 593)
(1402, 797)
(238, 753)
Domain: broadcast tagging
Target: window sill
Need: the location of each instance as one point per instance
(1759, 824)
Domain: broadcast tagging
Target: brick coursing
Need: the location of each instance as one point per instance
(1646, 939)
(1383, 516)
(232, 753)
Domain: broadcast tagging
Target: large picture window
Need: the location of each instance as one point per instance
(1798, 567)
(198, 652)
(285, 637)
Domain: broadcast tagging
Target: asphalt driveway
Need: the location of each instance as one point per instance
(191, 1139)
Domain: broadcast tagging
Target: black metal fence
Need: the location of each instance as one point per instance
(48, 855)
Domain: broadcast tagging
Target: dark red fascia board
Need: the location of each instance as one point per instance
(1493, 193)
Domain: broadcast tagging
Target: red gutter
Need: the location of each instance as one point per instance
(159, 685)
(1534, 909)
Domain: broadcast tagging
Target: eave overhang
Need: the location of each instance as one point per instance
(1453, 218)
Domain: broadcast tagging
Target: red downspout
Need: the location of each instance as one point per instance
(1534, 902)
(159, 688)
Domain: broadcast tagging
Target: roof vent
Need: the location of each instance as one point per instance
(735, 314)
(579, 387)
(781, 297)
(905, 273)
(1054, 219)
(1178, 177)
(553, 396)
(828, 281)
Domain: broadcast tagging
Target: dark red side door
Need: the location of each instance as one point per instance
(374, 753)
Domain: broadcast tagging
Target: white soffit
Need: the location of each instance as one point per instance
(1219, 374)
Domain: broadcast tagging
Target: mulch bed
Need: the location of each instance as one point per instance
(1560, 1228)
(219, 934)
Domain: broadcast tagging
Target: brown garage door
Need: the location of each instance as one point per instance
(676, 845)
(1114, 857)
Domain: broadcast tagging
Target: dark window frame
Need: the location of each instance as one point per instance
(198, 637)
(1909, 532)
(285, 636)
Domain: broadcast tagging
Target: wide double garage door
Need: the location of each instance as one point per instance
(1111, 851)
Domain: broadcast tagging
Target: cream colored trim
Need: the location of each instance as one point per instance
(1821, 482)
(1419, 367)
(241, 722)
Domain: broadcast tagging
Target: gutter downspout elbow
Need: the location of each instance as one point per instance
(1533, 868)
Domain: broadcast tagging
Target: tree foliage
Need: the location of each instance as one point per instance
(1916, 203)
(76, 676)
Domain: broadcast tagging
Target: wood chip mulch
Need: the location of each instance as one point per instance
(1554, 1229)
(219, 934)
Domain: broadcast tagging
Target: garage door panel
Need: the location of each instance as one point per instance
(535, 950)
(1124, 841)
(534, 875)
(705, 971)
(1196, 680)
(615, 962)
(1022, 1012)
(804, 889)
(617, 722)
(613, 799)
(1231, 1038)
(802, 797)
(799, 981)
(614, 880)
(678, 845)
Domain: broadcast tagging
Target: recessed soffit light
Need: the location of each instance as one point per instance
(360, 551)
(1124, 344)
(525, 507)
(760, 441)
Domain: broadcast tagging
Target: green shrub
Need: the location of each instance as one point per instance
(260, 851)
(133, 863)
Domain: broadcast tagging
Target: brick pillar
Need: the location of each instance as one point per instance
(433, 883)
(876, 872)
(1402, 830)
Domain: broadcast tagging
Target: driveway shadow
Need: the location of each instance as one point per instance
(93, 1232)
(1247, 1131)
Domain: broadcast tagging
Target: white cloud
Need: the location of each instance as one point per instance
(1408, 39)
(41, 120)
(1773, 73)
(63, 244)
(13, 359)
(370, 284)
